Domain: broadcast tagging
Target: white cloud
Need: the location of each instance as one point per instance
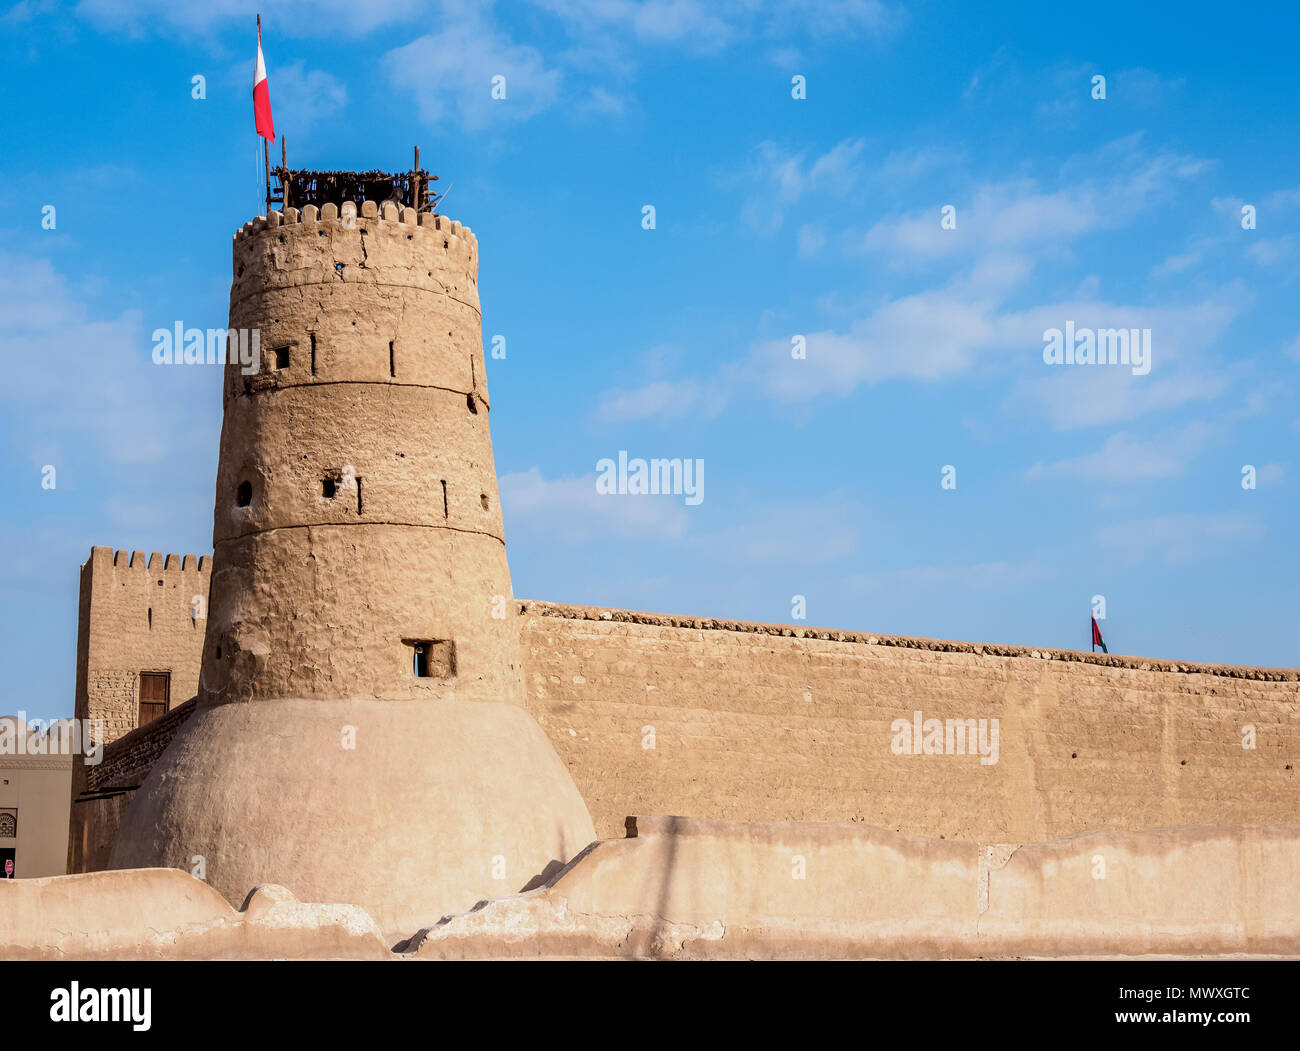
(780, 179)
(304, 96)
(811, 239)
(1183, 261)
(945, 333)
(459, 64)
(1124, 458)
(947, 581)
(783, 536)
(294, 18)
(569, 510)
(1271, 474)
(708, 26)
(301, 98)
(1269, 251)
(662, 399)
(1018, 213)
(1182, 537)
(74, 377)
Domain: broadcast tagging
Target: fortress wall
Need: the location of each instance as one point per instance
(128, 760)
(752, 722)
(135, 614)
(761, 722)
(700, 889)
(111, 784)
(93, 825)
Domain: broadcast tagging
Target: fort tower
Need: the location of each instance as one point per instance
(359, 549)
(360, 595)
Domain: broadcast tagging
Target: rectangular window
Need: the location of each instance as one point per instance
(281, 357)
(435, 659)
(155, 692)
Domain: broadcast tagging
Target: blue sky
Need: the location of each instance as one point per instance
(775, 217)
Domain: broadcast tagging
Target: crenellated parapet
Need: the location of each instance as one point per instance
(124, 567)
(341, 295)
(448, 249)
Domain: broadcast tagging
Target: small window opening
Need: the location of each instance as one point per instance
(444, 498)
(313, 353)
(244, 494)
(151, 618)
(482, 499)
(435, 659)
(358, 494)
(471, 402)
(392, 359)
(329, 488)
(281, 358)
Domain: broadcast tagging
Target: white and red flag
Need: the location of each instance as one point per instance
(261, 94)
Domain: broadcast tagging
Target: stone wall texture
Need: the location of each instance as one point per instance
(762, 722)
(356, 511)
(759, 722)
(135, 614)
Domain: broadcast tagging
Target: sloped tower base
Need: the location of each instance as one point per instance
(411, 810)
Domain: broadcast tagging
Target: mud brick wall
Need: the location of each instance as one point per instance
(128, 760)
(135, 614)
(772, 722)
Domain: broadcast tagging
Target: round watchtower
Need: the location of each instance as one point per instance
(358, 541)
(360, 598)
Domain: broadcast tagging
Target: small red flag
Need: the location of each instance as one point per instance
(261, 94)
(1096, 637)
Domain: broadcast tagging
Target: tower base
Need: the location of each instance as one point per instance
(411, 810)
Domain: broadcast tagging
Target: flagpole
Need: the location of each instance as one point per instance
(266, 145)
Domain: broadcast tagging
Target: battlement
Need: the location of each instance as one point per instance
(362, 251)
(349, 216)
(106, 564)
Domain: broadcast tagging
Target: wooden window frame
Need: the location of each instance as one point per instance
(155, 708)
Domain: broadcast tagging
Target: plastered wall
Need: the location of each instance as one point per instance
(717, 719)
(35, 789)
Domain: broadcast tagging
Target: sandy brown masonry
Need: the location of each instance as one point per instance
(624, 616)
